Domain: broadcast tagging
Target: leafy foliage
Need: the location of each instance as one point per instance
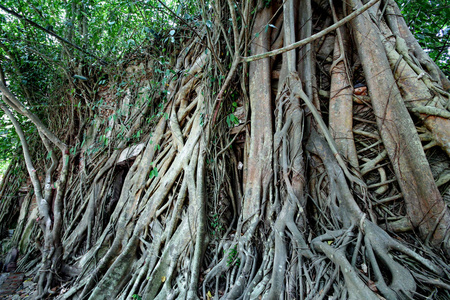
(429, 21)
(9, 139)
(51, 76)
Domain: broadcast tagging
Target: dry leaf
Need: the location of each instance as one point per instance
(364, 268)
(208, 295)
(372, 286)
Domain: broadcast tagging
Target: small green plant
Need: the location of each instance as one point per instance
(137, 135)
(136, 297)
(231, 118)
(216, 224)
(103, 140)
(202, 119)
(232, 258)
(153, 172)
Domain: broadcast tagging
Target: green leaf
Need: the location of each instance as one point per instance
(232, 120)
(153, 173)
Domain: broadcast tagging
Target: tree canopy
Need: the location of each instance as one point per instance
(429, 22)
(46, 46)
(37, 62)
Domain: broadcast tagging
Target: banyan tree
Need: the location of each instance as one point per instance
(289, 149)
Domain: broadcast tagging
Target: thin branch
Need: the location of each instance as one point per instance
(313, 37)
(26, 154)
(51, 33)
(17, 105)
